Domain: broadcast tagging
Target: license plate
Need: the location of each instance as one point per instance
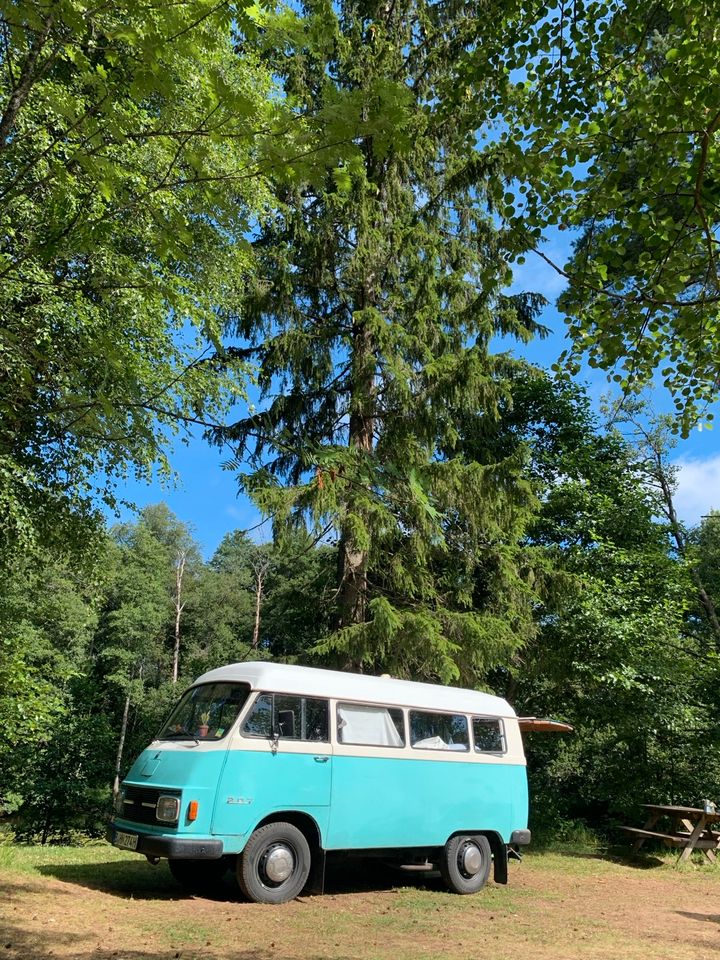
(127, 841)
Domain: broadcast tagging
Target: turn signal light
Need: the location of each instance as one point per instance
(193, 810)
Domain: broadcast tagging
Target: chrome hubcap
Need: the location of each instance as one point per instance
(470, 860)
(279, 863)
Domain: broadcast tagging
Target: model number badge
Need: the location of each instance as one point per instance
(242, 800)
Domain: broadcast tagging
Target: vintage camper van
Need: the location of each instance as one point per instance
(267, 768)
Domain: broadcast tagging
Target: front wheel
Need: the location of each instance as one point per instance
(465, 863)
(275, 864)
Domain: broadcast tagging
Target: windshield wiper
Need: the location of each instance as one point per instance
(181, 733)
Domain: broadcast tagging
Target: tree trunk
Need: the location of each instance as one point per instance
(261, 562)
(352, 559)
(24, 85)
(179, 607)
(259, 583)
(121, 745)
(46, 826)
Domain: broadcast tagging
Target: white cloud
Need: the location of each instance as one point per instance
(698, 490)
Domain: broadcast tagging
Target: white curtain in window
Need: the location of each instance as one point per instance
(367, 725)
(432, 743)
(437, 743)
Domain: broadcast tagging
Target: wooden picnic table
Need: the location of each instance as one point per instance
(692, 829)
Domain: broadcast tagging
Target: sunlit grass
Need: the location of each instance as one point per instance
(27, 857)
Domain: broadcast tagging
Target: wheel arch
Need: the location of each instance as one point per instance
(305, 823)
(498, 847)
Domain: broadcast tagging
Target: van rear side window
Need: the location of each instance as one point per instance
(488, 735)
(291, 717)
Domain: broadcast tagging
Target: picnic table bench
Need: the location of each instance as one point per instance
(692, 829)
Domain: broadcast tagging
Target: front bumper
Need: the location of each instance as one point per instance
(174, 848)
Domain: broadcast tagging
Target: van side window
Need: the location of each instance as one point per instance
(363, 724)
(292, 717)
(488, 735)
(439, 731)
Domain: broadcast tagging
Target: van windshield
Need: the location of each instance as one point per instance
(205, 712)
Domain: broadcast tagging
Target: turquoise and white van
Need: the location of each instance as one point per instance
(267, 767)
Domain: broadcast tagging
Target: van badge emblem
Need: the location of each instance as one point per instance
(242, 800)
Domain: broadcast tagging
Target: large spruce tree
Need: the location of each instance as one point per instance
(380, 292)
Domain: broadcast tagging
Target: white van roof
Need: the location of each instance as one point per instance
(314, 682)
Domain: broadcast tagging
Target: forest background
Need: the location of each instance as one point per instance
(324, 206)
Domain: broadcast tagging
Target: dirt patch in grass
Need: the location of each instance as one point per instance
(99, 904)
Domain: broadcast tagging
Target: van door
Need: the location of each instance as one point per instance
(266, 774)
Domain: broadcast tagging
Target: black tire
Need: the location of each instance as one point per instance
(263, 879)
(199, 876)
(465, 863)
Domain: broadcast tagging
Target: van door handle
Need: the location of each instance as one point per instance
(321, 759)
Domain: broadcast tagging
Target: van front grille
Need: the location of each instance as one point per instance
(139, 803)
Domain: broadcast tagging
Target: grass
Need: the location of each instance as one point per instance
(99, 903)
(26, 858)
(99, 866)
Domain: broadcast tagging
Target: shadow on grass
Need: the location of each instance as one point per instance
(139, 880)
(15, 891)
(142, 881)
(706, 917)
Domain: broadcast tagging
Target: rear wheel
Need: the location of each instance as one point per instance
(275, 864)
(198, 876)
(465, 863)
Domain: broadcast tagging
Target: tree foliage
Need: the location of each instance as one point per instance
(130, 138)
(379, 289)
(621, 650)
(609, 115)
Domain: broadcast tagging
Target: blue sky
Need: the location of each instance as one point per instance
(206, 495)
